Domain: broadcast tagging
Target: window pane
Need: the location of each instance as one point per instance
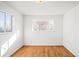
(1, 22)
(8, 23)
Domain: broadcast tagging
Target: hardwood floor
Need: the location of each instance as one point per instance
(42, 51)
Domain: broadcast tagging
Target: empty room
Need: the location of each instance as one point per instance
(39, 28)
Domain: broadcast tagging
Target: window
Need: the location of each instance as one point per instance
(2, 22)
(5, 22)
(8, 23)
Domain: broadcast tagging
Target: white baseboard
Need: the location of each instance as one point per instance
(70, 50)
(42, 45)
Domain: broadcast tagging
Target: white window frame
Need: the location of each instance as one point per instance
(5, 22)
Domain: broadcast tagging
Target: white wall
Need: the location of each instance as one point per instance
(43, 37)
(71, 30)
(17, 27)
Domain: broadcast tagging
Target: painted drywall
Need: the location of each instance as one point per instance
(71, 30)
(17, 26)
(46, 8)
(43, 37)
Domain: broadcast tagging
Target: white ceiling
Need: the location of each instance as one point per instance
(47, 8)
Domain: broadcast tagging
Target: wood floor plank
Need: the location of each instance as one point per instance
(43, 51)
